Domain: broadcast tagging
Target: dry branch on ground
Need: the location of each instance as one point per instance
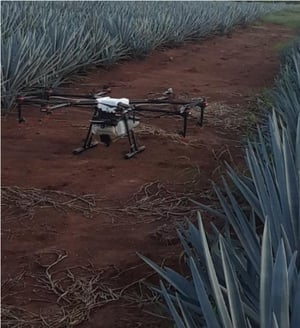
(71, 293)
(27, 200)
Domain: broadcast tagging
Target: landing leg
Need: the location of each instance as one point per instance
(20, 117)
(134, 149)
(88, 143)
(201, 117)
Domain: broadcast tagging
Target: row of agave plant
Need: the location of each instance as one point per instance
(43, 42)
(248, 274)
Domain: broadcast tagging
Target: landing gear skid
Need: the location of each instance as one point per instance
(133, 153)
(80, 150)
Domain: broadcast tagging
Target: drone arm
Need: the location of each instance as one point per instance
(165, 100)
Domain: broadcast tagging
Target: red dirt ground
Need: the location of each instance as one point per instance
(37, 154)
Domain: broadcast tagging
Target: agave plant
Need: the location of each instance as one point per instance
(272, 190)
(286, 93)
(45, 41)
(246, 276)
(225, 291)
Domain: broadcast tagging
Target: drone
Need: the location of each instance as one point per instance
(112, 117)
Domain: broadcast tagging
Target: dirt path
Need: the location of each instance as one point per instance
(229, 71)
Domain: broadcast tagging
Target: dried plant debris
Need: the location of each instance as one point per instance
(69, 294)
(153, 202)
(234, 118)
(26, 200)
(149, 129)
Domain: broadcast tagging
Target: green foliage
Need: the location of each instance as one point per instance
(43, 42)
(289, 18)
(286, 93)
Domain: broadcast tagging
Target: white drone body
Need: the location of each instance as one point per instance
(109, 105)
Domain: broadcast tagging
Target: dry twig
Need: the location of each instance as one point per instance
(27, 200)
(72, 294)
(154, 202)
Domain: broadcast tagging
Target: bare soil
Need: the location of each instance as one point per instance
(105, 236)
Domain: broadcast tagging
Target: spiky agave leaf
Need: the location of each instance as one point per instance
(234, 297)
(280, 289)
(273, 189)
(227, 305)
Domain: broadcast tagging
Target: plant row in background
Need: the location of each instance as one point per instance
(248, 275)
(43, 42)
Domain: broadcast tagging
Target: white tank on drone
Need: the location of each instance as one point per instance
(109, 105)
